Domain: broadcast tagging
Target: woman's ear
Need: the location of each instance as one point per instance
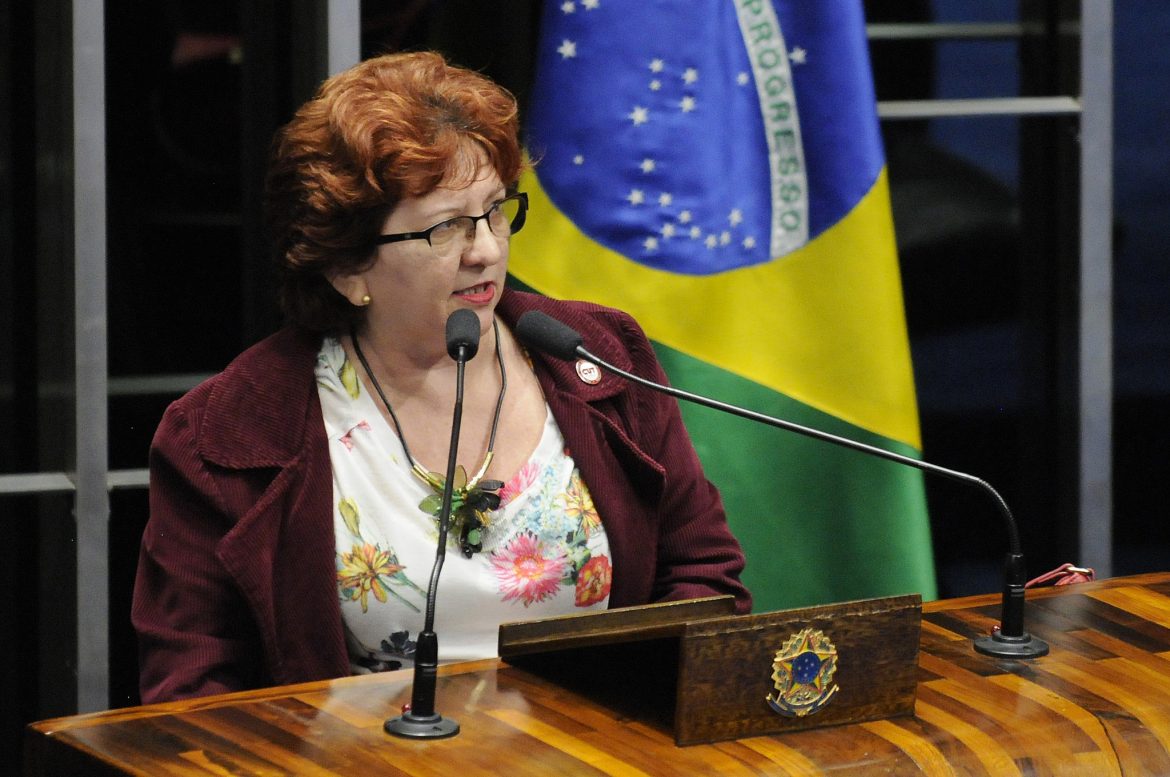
(352, 286)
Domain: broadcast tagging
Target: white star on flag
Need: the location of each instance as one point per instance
(639, 115)
(636, 197)
(687, 104)
(665, 199)
(735, 218)
(590, 5)
(690, 75)
(657, 65)
(798, 56)
(668, 230)
(647, 165)
(684, 217)
(567, 49)
(650, 243)
(568, 7)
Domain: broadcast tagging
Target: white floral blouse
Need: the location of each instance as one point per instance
(544, 550)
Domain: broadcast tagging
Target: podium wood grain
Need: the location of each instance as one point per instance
(1099, 704)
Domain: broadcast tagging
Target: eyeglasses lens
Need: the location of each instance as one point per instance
(453, 236)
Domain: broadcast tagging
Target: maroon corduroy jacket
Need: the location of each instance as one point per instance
(237, 585)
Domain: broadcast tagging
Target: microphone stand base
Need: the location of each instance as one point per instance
(421, 727)
(999, 646)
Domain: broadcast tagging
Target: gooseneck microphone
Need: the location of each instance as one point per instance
(421, 721)
(540, 332)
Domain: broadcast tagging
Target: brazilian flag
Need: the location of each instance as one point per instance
(714, 167)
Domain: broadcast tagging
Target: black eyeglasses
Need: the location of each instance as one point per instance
(451, 237)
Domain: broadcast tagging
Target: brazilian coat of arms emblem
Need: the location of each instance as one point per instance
(803, 672)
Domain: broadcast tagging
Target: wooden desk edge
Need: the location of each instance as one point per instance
(52, 726)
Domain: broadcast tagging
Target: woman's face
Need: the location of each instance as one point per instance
(412, 288)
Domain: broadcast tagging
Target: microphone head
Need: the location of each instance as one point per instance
(547, 335)
(462, 333)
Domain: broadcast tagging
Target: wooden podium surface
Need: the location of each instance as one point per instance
(1099, 704)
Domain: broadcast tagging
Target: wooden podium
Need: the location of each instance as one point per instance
(1098, 704)
(709, 675)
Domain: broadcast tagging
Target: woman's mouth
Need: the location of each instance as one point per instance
(478, 294)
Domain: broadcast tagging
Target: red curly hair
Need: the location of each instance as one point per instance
(389, 128)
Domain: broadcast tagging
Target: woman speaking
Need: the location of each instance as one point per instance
(294, 497)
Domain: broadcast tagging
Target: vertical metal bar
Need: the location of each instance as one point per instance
(344, 30)
(91, 506)
(1096, 287)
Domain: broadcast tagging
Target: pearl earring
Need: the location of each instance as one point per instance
(366, 299)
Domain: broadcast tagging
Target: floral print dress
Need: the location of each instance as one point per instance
(544, 552)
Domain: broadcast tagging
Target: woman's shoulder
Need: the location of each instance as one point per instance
(283, 353)
(263, 393)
